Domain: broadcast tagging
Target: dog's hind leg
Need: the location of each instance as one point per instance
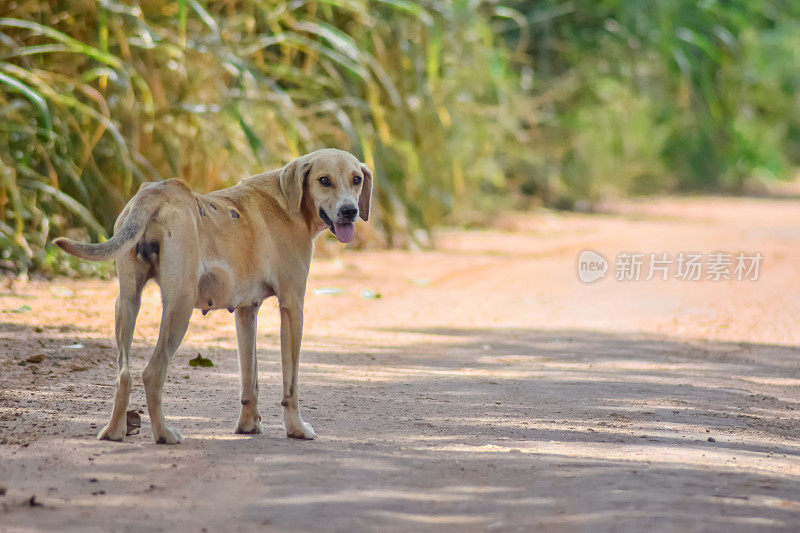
(177, 277)
(132, 278)
(249, 418)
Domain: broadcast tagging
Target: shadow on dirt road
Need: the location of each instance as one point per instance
(493, 428)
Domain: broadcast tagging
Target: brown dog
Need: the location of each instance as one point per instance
(228, 249)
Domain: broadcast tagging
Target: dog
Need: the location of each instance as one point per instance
(228, 249)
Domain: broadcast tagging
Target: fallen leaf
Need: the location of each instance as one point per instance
(369, 295)
(22, 309)
(200, 361)
(38, 358)
(327, 291)
(74, 346)
(134, 422)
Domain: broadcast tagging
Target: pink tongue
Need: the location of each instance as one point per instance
(344, 232)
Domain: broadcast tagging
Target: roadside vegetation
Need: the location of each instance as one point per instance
(459, 107)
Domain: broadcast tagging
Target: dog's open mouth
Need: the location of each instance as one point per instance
(343, 231)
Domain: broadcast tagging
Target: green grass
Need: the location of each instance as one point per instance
(98, 97)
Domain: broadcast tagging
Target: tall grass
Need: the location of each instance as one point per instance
(99, 96)
(455, 104)
(641, 96)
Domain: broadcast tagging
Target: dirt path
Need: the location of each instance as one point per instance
(487, 389)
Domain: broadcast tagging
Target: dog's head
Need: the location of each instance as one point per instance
(336, 187)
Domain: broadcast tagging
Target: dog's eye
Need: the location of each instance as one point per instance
(356, 180)
(325, 181)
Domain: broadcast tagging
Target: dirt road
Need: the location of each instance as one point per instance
(486, 389)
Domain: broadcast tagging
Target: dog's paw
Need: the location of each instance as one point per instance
(303, 430)
(249, 428)
(168, 436)
(112, 433)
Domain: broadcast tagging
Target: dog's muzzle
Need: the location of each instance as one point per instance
(344, 230)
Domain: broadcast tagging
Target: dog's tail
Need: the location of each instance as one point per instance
(123, 240)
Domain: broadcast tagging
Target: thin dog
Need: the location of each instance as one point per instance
(228, 249)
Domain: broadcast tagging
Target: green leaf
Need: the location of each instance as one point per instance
(31, 95)
(200, 361)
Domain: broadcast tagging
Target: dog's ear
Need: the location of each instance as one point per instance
(366, 193)
(293, 175)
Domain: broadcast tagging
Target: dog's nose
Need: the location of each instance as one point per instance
(348, 213)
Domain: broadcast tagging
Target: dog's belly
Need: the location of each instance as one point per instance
(217, 290)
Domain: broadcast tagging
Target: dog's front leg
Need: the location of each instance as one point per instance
(291, 333)
(249, 418)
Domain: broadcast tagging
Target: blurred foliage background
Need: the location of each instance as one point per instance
(460, 107)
